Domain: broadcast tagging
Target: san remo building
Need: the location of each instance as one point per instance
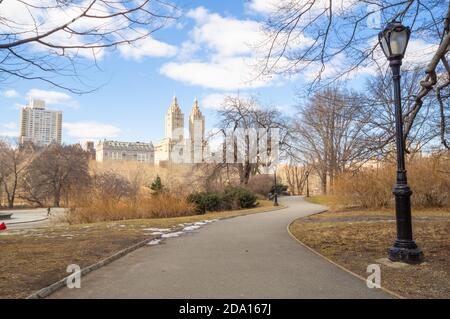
(174, 147)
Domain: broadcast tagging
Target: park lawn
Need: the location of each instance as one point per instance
(355, 239)
(321, 200)
(32, 259)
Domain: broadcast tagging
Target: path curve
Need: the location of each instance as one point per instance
(250, 256)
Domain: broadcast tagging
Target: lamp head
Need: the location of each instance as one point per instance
(394, 40)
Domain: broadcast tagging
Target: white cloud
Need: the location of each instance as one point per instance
(10, 125)
(91, 130)
(227, 57)
(226, 36)
(263, 6)
(103, 18)
(9, 130)
(419, 52)
(268, 7)
(53, 97)
(9, 134)
(146, 47)
(226, 74)
(213, 101)
(10, 93)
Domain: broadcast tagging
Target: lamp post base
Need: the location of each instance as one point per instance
(406, 252)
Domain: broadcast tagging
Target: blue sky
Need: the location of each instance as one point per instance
(205, 54)
(135, 93)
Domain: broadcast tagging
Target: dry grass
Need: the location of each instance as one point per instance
(356, 239)
(321, 200)
(177, 178)
(33, 259)
(428, 177)
(151, 206)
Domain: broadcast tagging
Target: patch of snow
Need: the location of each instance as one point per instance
(157, 229)
(156, 233)
(200, 223)
(174, 234)
(190, 228)
(154, 242)
(209, 221)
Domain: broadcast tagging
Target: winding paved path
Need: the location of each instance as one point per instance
(250, 256)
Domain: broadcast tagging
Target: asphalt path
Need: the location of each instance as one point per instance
(249, 256)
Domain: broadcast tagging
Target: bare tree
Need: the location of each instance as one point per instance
(332, 40)
(13, 163)
(246, 127)
(112, 187)
(331, 131)
(55, 39)
(379, 102)
(295, 176)
(56, 171)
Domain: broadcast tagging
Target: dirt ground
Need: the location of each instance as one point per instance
(355, 239)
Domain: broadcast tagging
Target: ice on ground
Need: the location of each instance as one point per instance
(200, 223)
(154, 242)
(174, 234)
(157, 229)
(190, 228)
(210, 220)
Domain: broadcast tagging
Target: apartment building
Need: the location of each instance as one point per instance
(39, 125)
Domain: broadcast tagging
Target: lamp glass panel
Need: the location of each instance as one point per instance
(385, 47)
(398, 42)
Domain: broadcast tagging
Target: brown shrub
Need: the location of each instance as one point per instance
(428, 177)
(260, 184)
(145, 206)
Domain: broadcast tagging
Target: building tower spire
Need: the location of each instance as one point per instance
(196, 133)
(174, 121)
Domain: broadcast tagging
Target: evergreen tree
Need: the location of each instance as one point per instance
(157, 186)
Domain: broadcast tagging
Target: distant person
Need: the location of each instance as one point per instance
(48, 211)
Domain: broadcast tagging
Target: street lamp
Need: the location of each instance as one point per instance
(275, 198)
(394, 40)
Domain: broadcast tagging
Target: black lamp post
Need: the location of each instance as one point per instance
(307, 184)
(275, 198)
(394, 40)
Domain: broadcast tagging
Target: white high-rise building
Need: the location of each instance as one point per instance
(39, 125)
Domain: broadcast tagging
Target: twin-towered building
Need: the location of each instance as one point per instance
(175, 147)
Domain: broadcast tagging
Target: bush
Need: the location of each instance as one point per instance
(231, 198)
(99, 209)
(280, 188)
(206, 201)
(243, 197)
(261, 184)
(372, 187)
(157, 186)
